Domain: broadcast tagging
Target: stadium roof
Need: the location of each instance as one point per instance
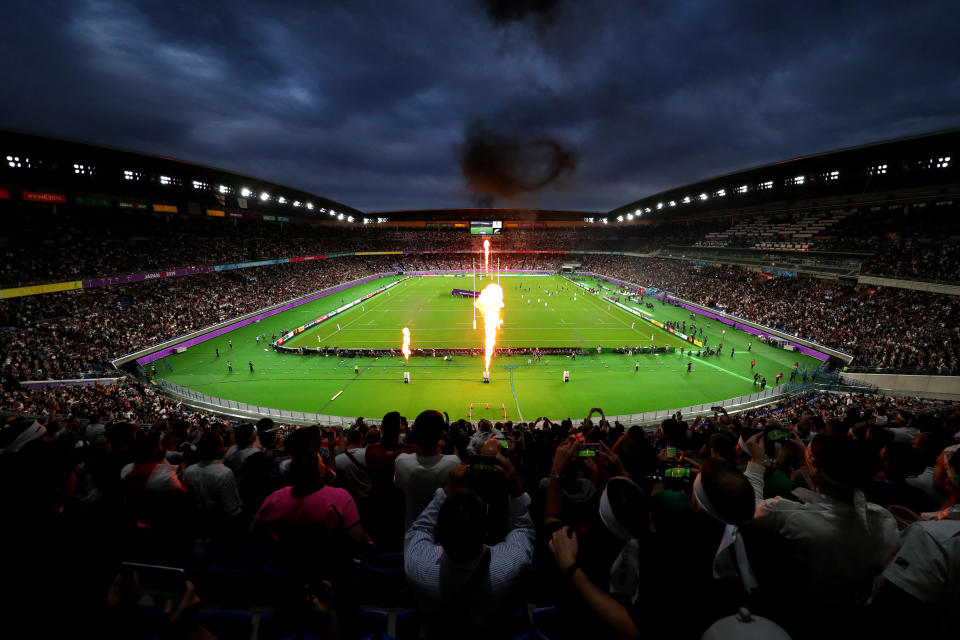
(929, 160)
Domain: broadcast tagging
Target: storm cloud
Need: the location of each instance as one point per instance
(373, 104)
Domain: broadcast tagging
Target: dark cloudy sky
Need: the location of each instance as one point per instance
(371, 102)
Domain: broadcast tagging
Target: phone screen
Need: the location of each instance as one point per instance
(587, 450)
(155, 584)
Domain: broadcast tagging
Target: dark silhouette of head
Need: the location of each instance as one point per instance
(461, 526)
(728, 490)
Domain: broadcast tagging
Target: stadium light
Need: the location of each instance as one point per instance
(619, 218)
(686, 200)
(638, 212)
(603, 220)
(659, 205)
(647, 210)
(282, 200)
(332, 212)
(704, 196)
(349, 218)
(382, 220)
(310, 206)
(720, 193)
(743, 188)
(264, 196)
(245, 192)
(367, 221)
(340, 217)
(672, 203)
(223, 189)
(166, 180)
(296, 203)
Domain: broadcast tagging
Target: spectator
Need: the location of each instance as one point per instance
(352, 472)
(213, 487)
(463, 587)
(420, 474)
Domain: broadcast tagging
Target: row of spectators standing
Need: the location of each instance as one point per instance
(847, 506)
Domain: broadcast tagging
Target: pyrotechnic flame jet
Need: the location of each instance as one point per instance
(405, 350)
(486, 256)
(489, 304)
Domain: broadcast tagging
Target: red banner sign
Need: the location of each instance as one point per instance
(40, 196)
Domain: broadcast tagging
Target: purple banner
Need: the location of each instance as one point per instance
(757, 332)
(138, 277)
(242, 323)
(465, 292)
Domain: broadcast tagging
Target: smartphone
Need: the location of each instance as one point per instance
(483, 463)
(777, 435)
(504, 444)
(677, 472)
(588, 449)
(671, 453)
(155, 584)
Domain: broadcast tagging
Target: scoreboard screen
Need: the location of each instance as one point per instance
(486, 228)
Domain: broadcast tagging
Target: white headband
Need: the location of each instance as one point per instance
(32, 432)
(625, 571)
(731, 559)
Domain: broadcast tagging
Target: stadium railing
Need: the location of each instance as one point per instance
(244, 411)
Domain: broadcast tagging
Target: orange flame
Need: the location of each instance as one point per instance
(489, 304)
(406, 343)
(486, 256)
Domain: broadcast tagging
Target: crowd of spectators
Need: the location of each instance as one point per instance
(839, 504)
(885, 328)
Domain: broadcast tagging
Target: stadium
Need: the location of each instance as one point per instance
(325, 420)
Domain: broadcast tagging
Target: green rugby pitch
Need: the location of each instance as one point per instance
(438, 320)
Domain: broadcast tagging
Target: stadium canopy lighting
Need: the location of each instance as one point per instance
(743, 188)
(332, 212)
(629, 216)
(659, 205)
(245, 192)
(166, 180)
(282, 200)
(604, 220)
(686, 200)
(367, 221)
(199, 184)
(296, 203)
(349, 218)
(720, 193)
(264, 196)
(619, 218)
(638, 212)
(672, 203)
(704, 196)
(382, 220)
(223, 189)
(310, 206)
(647, 210)
(943, 162)
(340, 216)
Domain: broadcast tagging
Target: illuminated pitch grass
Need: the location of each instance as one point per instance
(438, 320)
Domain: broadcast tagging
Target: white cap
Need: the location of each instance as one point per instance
(745, 626)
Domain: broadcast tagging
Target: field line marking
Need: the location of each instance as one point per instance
(359, 317)
(515, 398)
(735, 375)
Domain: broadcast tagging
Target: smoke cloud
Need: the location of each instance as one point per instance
(502, 165)
(504, 11)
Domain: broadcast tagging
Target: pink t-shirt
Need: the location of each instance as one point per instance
(330, 510)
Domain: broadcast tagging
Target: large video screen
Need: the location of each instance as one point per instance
(486, 228)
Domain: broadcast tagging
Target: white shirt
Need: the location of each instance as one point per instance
(437, 580)
(163, 478)
(419, 477)
(213, 486)
(928, 564)
(234, 457)
(349, 474)
(840, 554)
